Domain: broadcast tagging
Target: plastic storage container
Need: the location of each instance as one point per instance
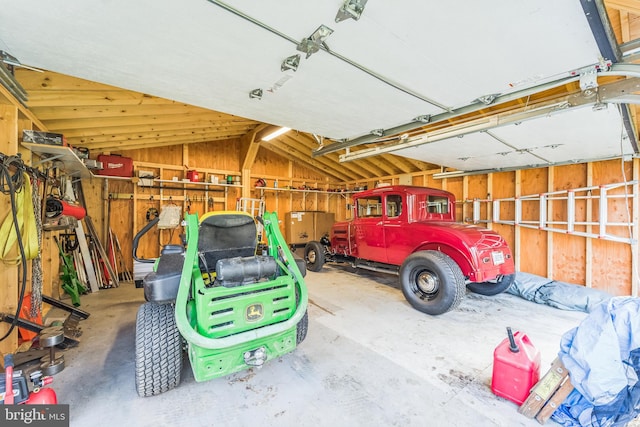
(516, 367)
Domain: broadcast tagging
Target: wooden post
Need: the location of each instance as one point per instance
(635, 214)
(588, 273)
(9, 273)
(516, 229)
(550, 184)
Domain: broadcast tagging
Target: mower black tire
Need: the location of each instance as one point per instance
(432, 282)
(158, 349)
(314, 256)
(492, 287)
(301, 328)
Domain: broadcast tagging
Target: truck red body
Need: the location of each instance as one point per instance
(411, 231)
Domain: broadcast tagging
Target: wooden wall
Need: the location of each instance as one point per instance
(298, 189)
(13, 119)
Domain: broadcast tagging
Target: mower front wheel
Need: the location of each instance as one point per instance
(158, 349)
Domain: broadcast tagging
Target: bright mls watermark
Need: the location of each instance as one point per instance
(34, 415)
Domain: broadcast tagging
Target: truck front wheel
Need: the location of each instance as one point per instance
(492, 287)
(314, 256)
(432, 282)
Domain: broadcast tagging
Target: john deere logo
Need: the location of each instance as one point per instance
(254, 312)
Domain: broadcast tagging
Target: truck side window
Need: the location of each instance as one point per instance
(369, 207)
(394, 206)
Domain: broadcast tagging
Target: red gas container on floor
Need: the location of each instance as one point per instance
(516, 367)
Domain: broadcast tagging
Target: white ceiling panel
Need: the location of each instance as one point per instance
(410, 55)
(576, 135)
(475, 151)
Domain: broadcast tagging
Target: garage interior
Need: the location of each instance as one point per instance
(527, 113)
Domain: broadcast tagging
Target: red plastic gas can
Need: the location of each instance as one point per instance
(516, 367)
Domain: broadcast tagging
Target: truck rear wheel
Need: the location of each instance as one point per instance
(492, 287)
(432, 282)
(158, 349)
(314, 256)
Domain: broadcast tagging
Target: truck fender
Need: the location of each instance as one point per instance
(463, 260)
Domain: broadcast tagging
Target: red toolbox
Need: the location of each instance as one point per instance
(115, 165)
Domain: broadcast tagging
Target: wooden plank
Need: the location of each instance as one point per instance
(556, 400)
(550, 187)
(517, 247)
(630, 6)
(9, 288)
(635, 277)
(616, 274)
(86, 258)
(544, 389)
(533, 242)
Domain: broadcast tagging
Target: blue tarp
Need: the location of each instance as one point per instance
(565, 296)
(602, 356)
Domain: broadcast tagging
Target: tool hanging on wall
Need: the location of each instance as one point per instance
(56, 207)
(94, 233)
(126, 274)
(25, 225)
(69, 277)
(37, 281)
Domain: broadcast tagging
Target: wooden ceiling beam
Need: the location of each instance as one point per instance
(48, 80)
(151, 143)
(66, 98)
(250, 146)
(401, 164)
(135, 120)
(58, 113)
(235, 132)
(158, 127)
(381, 165)
(631, 6)
(294, 141)
(290, 153)
(422, 166)
(310, 143)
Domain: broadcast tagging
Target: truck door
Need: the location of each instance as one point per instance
(369, 230)
(395, 228)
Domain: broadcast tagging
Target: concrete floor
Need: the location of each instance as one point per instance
(369, 360)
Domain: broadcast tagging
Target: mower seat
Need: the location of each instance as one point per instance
(225, 235)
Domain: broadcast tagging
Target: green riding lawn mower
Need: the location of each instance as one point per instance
(232, 302)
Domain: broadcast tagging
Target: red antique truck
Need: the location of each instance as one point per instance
(411, 231)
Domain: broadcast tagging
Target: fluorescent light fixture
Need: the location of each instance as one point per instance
(276, 134)
(312, 44)
(351, 9)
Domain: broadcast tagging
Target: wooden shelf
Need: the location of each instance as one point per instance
(297, 190)
(207, 184)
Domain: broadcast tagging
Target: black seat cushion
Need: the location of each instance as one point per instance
(224, 236)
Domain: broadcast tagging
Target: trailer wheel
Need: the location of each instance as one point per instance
(301, 328)
(432, 282)
(158, 349)
(492, 287)
(314, 256)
